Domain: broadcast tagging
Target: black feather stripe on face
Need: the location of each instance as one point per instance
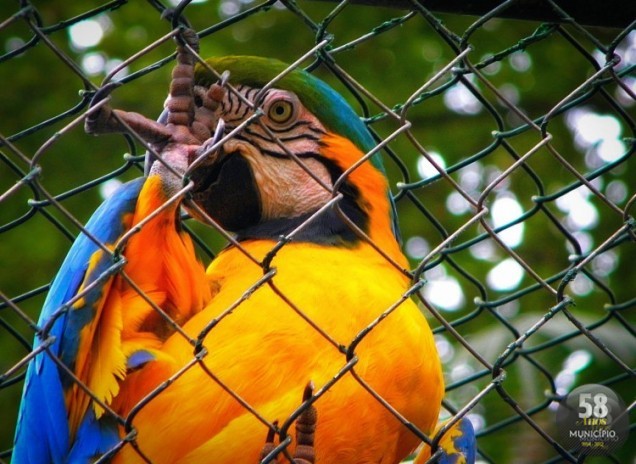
(328, 228)
(239, 188)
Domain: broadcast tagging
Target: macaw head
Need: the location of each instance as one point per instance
(284, 166)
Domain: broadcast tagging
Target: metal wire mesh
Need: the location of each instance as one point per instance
(508, 144)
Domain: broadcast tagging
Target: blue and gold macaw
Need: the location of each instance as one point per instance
(139, 343)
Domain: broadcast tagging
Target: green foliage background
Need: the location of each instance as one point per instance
(394, 60)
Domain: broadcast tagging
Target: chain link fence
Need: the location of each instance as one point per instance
(508, 143)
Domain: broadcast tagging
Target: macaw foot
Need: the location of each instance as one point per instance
(106, 120)
(186, 128)
(457, 446)
(305, 430)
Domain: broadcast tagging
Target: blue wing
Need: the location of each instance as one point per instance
(464, 444)
(457, 446)
(42, 432)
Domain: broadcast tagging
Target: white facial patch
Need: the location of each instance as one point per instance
(286, 188)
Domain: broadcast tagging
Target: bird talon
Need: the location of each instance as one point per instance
(100, 121)
(180, 103)
(180, 125)
(104, 92)
(269, 445)
(204, 154)
(189, 37)
(305, 430)
(106, 120)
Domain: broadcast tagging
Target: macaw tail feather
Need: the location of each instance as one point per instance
(457, 446)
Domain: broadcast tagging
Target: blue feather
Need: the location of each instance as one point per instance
(42, 432)
(462, 447)
(138, 359)
(94, 438)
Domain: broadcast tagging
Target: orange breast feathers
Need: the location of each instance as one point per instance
(161, 265)
(262, 348)
(374, 185)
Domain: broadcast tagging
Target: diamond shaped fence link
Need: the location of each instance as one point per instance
(508, 145)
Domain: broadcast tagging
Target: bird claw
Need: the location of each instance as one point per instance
(181, 124)
(305, 431)
(189, 37)
(103, 92)
(106, 120)
(101, 120)
(269, 445)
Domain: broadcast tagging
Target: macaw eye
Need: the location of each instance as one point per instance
(281, 111)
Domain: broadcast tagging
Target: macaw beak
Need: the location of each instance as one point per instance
(224, 184)
(225, 188)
